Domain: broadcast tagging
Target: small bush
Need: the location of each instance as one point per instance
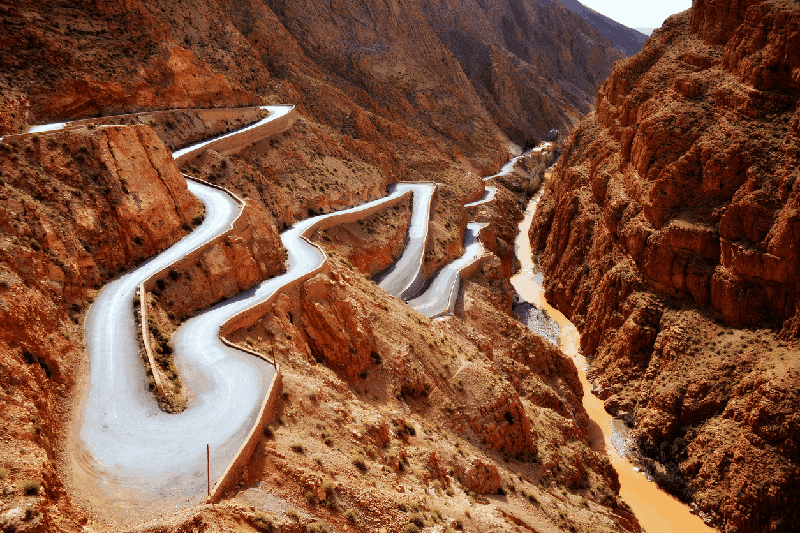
(264, 523)
(269, 432)
(411, 528)
(30, 487)
(417, 519)
(350, 515)
(291, 513)
(30, 512)
(317, 527)
(297, 447)
(359, 461)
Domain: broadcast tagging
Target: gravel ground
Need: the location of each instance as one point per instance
(537, 321)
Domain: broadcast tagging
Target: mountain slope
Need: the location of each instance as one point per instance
(628, 40)
(452, 70)
(669, 236)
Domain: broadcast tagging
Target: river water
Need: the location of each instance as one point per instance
(657, 511)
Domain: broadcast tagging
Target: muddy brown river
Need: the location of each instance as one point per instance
(657, 511)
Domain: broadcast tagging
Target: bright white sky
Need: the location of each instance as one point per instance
(638, 13)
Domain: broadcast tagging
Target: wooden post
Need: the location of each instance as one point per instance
(208, 469)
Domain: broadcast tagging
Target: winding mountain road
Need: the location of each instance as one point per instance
(404, 278)
(440, 298)
(132, 451)
(129, 447)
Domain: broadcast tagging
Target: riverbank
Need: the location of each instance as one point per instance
(657, 511)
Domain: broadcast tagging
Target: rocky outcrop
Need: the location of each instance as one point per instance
(672, 217)
(338, 331)
(77, 208)
(479, 477)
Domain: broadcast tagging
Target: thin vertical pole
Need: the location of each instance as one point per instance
(208, 469)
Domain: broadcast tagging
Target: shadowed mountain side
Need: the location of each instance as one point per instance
(463, 75)
(628, 40)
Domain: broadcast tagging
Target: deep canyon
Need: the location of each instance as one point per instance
(668, 233)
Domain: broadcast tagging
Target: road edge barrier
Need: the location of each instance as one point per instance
(249, 316)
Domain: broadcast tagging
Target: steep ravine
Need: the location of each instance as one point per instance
(668, 236)
(657, 511)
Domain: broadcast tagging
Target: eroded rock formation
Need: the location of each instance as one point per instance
(77, 208)
(673, 217)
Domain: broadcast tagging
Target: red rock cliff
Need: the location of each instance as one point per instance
(673, 215)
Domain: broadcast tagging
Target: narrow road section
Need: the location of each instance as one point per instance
(440, 298)
(404, 279)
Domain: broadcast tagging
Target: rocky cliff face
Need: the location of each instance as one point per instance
(456, 72)
(672, 220)
(77, 208)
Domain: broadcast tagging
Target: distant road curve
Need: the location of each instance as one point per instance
(440, 297)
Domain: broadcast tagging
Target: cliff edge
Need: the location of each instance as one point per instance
(669, 236)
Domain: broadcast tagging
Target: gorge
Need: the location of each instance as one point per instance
(667, 234)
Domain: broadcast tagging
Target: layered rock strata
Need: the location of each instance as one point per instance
(77, 208)
(672, 221)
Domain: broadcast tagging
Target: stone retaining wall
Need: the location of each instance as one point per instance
(143, 310)
(268, 409)
(233, 144)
